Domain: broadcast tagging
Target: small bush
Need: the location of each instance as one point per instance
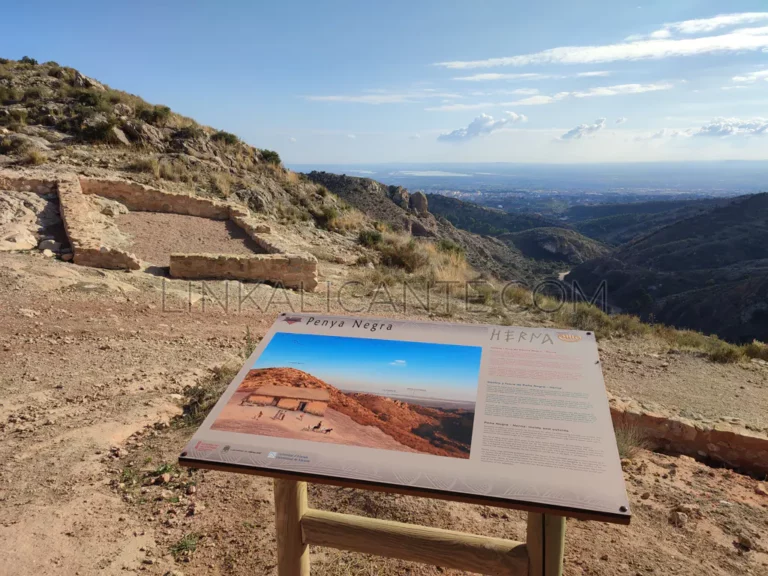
(369, 237)
(725, 354)
(9, 95)
(630, 439)
(174, 171)
(271, 157)
(325, 217)
(33, 158)
(155, 115)
(756, 349)
(202, 397)
(446, 245)
(188, 132)
(148, 165)
(28, 60)
(31, 94)
(221, 184)
(185, 547)
(407, 254)
(225, 137)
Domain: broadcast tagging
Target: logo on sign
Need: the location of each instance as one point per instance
(569, 337)
(272, 455)
(291, 319)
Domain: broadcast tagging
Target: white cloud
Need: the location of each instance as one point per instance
(399, 363)
(704, 25)
(596, 73)
(493, 76)
(459, 107)
(622, 89)
(583, 130)
(529, 76)
(745, 39)
(482, 125)
(291, 139)
(384, 97)
(621, 120)
(734, 127)
(531, 101)
(351, 136)
(751, 77)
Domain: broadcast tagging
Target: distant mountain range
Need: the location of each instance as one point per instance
(707, 271)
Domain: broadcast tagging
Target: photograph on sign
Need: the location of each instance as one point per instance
(390, 394)
(499, 415)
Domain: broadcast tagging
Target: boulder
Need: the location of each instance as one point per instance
(49, 244)
(82, 81)
(122, 109)
(119, 136)
(418, 203)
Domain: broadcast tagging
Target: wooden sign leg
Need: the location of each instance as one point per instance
(546, 544)
(290, 506)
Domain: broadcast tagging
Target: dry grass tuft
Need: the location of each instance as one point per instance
(630, 439)
(33, 158)
(148, 165)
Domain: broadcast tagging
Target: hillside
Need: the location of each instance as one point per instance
(482, 220)
(430, 430)
(617, 224)
(555, 244)
(708, 272)
(399, 210)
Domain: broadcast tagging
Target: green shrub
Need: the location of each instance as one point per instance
(369, 237)
(225, 137)
(155, 115)
(271, 157)
(4, 61)
(34, 93)
(446, 245)
(325, 217)
(725, 353)
(188, 132)
(28, 60)
(33, 158)
(406, 255)
(91, 99)
(756, 349)
(9, 95)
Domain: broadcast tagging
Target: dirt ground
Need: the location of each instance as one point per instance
(94, 366)
(155, 236)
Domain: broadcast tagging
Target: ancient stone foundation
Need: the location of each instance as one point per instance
(726, 443)
(290, 270)
(281, 265)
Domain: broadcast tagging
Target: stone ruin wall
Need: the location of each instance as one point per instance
(725, 443)
(280, 265)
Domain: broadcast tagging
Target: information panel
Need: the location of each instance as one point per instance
(500, 415)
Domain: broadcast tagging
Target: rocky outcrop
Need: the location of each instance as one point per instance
(418, 203)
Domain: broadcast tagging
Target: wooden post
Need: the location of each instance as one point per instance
(290, 506)
(545, 544)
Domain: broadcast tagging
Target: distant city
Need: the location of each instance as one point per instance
(552, 188)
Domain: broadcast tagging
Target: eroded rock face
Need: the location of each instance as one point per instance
(418, 203)
(399, 196)
(23, 215)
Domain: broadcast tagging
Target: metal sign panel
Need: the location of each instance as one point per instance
(501, 415)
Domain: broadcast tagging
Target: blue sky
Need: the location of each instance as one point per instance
(446, 371)
(432, 81)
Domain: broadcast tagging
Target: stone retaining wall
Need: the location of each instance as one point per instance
(140, 198)
(281, 264)
(726, 443)
(290, 270)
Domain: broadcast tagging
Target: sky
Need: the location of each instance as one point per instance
(445, 371)
(553, 81)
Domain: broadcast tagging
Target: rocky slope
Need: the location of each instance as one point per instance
(556, 245)
(708, 272)
(400, 210)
